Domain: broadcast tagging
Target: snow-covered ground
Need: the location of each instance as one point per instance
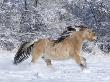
(62, 71)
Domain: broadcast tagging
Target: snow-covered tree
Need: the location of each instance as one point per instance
(26, 20)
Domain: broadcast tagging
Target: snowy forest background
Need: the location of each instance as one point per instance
(26, 20)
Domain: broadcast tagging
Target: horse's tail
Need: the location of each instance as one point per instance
(23, 52)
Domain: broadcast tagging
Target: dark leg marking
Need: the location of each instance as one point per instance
(48, 61)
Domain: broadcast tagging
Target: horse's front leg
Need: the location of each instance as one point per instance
(84, 61)
(78, 60)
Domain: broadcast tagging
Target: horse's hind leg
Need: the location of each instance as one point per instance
(36, 54)
(48, 61)
(38, 50)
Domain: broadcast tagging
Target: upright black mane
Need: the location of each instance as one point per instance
(82, 27)
(65, 34)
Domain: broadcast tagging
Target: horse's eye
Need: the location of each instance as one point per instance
(89, 31)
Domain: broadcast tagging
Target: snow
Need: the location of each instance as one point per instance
(65, 71)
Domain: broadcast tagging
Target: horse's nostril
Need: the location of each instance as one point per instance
(95, 38)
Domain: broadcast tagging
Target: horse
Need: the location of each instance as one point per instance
(69, 48)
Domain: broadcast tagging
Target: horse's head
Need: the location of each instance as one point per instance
(89, 34)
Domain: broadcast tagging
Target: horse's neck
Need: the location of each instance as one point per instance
(78, 38)
(81, 35)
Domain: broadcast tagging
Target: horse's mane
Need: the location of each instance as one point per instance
(82, 27)
(65, 34)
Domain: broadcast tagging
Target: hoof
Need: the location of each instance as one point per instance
(83, 66)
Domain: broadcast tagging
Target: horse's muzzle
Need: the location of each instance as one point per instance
(95, 37)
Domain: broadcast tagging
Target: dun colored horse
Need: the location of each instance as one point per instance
(68, 48)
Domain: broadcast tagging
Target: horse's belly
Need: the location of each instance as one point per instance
(57, 56)
(59, 52)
